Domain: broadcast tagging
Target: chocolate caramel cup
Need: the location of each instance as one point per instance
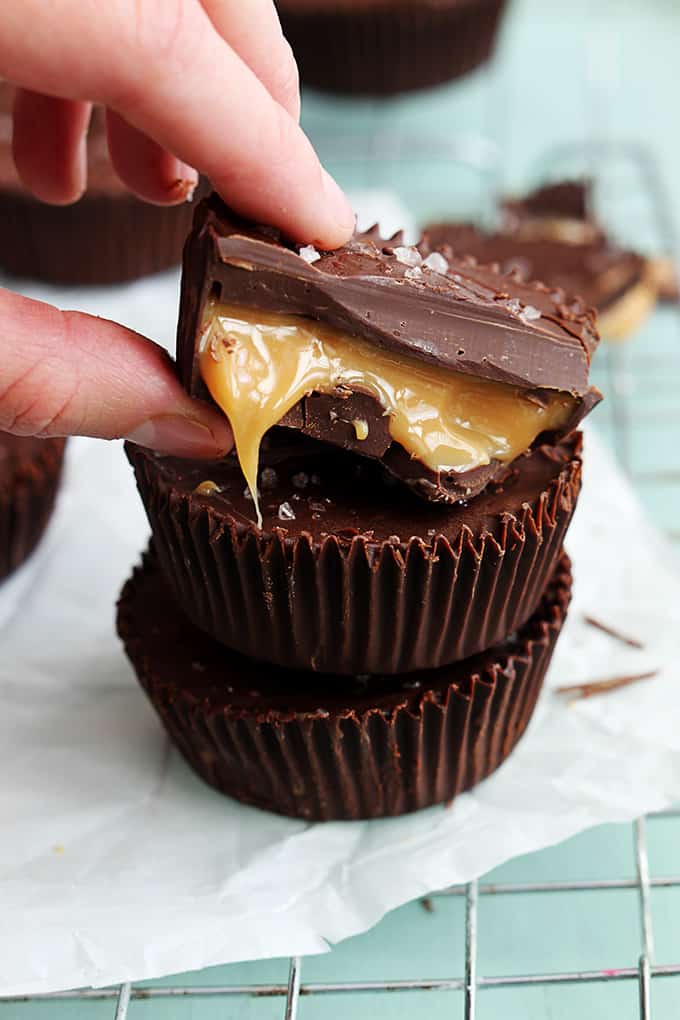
(102, 239)
(346, 748)
(350, 574)
(381, 47)
(30, 471)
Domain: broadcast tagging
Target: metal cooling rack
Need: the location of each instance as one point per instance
(642, 973)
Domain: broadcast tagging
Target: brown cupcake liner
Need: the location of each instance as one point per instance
(27, 495)
(355, 605)
(381, 49)
(336, 750)
(102, 239)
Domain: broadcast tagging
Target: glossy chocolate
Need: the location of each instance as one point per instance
(471, 319)
(597, 270)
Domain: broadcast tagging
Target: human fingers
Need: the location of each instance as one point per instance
(149, 170)
(66, 373)
(49, 145)
(254, 32)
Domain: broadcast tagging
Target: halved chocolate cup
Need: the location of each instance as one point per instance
(30, 471)
(347, 748)
(351, 574)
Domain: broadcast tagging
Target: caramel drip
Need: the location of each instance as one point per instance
(258, 365)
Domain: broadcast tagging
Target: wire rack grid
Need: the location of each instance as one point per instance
(642, 973)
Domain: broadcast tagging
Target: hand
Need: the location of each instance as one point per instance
(206, 84)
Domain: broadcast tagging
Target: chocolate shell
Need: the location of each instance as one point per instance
(350, 574)
(388, 46)
(102, 239)
(471, 319)
(30, 471)
(344, 748)
(597, 270)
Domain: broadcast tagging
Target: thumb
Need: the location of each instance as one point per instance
(66, 373)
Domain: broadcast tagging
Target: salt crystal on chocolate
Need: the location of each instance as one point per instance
(408, 256)
(437, 263)
(309, 254)
(286, 512)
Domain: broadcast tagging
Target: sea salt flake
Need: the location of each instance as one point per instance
(437, 263)
(529, 313)
(309, 254)
(514, 306)
(415, 273)
(286, 512)
(408, 256)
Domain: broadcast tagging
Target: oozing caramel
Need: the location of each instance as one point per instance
(258, 365)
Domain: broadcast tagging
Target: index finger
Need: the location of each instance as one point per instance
(165, 68)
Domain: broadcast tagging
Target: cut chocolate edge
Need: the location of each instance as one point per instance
(469, 320)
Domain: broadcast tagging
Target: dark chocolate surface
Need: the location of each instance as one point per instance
(330, 419)
(332, 493)
(597, 270)
(471, 320)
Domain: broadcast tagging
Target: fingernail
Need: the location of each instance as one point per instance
(182, 436)
(185, 183)
(341, 210)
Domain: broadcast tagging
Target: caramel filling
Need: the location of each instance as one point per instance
(258, 365)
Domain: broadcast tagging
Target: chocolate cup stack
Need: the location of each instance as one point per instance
(366, 651)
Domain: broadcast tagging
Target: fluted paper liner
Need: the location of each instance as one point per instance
(26, 503)
(357, 606)
(99, 240)
(417, 741)
(391, 47)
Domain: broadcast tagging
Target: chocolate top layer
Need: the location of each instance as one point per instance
(598, 270)
(184, 657)
(307, 488)
(473, 319)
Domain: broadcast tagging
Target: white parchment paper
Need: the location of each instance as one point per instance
(116, 863)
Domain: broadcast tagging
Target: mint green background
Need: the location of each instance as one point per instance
(565, 71)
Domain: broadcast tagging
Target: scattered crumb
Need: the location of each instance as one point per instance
(606, 629)
(576, 692)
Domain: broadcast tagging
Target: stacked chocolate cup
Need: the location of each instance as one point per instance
(366, 631)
